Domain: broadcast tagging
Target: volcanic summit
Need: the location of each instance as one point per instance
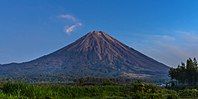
(96, 54)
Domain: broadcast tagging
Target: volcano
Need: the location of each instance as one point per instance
(95, 55)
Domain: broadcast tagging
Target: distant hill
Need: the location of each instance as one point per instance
(95, 55)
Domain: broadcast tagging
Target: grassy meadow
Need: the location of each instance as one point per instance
(102, 91)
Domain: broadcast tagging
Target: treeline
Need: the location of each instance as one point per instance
(107, 81)
(186, 73)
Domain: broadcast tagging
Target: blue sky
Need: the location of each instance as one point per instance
(165, 30)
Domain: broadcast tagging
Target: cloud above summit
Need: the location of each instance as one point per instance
(72, 28)
(68, 17)
(73, 25)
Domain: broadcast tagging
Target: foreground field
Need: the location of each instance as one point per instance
(49, 91)
(104, 91)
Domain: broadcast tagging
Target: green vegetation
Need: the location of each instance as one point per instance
(60, 91)
(105, 90)
(185, 74)
(185, 79)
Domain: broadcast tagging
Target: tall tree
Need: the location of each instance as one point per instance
(186, 73)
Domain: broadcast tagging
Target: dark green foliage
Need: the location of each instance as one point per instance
(48, 91)
(193, 93)
(186, 74)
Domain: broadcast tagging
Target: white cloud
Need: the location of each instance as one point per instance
(69, 28)
(189, 37)
(164, 37)
(68, 17)
(170, 49)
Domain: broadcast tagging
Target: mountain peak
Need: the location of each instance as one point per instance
(96, 34)
(96, 54)
(99, 36)
(94, 40)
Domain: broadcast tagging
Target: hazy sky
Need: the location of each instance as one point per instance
(166, 30)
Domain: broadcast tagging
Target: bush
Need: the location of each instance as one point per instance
(188, 93)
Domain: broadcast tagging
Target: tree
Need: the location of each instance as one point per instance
(186, 73)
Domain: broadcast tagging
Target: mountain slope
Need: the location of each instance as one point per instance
(96, 54)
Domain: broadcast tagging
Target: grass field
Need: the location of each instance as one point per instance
(58, 91)
(138, 90)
